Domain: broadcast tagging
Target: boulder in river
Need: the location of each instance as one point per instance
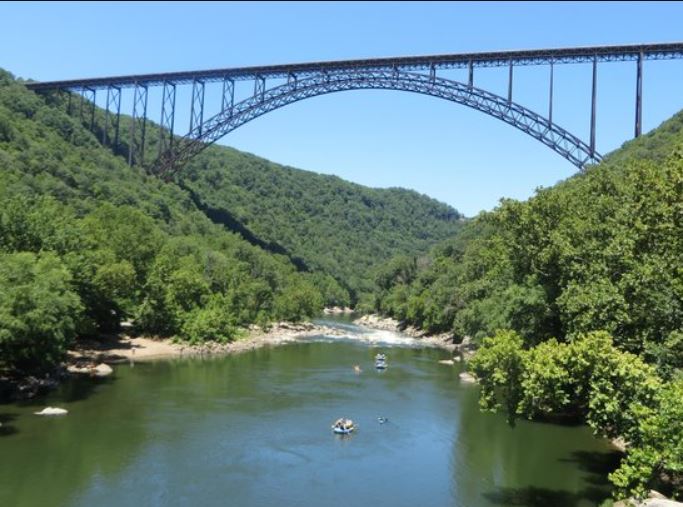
(467, 377)
(102, 370)
(449, 362)
(52, 411)
(336, 310)
(72, 368)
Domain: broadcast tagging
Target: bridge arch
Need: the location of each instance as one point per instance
(264, 101)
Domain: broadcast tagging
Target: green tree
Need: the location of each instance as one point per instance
(211, 322)
(657, 459)
(500, 365)
(38, 311)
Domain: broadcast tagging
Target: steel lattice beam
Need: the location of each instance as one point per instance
(88, 95)
(639, 96)
(533, 124)
(228, 96)
(397, 73)
(259, 87)
(594, 104)
(167, 117)
(550, 93)
(113, 104)
(136, 147)
(632, 52)
(197, 105)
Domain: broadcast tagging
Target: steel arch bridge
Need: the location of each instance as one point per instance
(301, 81)
(553, 136)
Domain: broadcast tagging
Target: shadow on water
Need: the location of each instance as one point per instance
(72, 389)
(542, 497)
(598, 463)
(568, 421)
(6, 429)
(82, 388)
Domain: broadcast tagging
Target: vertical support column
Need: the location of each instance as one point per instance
(594, 104)
(292, 80)
(131, 140)
(167, 117)
(136, 152)
(117, 121)
(510, 84)
(550, 93)
(259, 87)
(68, 104)
(92, 109)
(228, 101)
(87, 95)
(197, 107)
(60, 95)
(470, 74)
(639, 96)
(106, 116)
(81, 94)
(432, 73)
(143, 125)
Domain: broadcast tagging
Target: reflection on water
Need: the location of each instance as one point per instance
(254, 429)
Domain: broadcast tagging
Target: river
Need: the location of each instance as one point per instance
(253, 429)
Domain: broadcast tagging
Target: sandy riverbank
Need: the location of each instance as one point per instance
(124, 348)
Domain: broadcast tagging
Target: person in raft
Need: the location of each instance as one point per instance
(343, 424)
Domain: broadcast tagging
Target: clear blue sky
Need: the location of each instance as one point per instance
(377, 138)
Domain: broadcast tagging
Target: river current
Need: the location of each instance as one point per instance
(253, 429)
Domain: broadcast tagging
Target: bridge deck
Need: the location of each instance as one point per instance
(663, 51)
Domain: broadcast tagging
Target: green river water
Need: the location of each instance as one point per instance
(254, 430)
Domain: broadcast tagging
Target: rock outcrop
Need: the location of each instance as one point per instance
(654, 499)
(337, 310)
(102, 370)
(52, 411)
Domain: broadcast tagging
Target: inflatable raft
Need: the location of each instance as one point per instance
(343, 426)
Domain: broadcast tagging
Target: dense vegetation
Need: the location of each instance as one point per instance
(330, 225)
(576, 296)
(86, 242)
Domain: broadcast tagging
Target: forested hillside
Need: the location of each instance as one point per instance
(86, 241)
(331, 225)
(576, 296)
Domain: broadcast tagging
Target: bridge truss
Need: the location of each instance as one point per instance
(295, 82)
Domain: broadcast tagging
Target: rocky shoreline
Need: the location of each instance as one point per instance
(91, 358)
(654, 499)
(129, 349)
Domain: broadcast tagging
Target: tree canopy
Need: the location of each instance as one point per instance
(576, 297)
